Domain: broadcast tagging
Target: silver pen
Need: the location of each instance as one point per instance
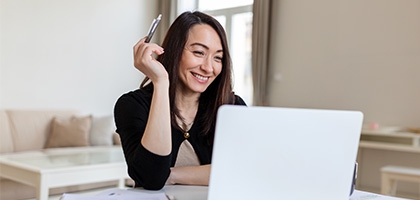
(152, 29)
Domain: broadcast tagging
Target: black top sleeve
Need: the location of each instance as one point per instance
(147, 169)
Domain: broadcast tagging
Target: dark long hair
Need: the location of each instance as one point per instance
(219, 91)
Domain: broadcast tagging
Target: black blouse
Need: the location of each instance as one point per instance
(147, 169)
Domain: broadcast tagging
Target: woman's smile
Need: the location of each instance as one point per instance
(200, 78)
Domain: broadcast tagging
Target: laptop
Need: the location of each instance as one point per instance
(284, 153)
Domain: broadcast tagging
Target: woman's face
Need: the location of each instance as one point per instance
(201, 60)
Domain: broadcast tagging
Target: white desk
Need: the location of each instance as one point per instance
(200, 193)
(182, 192)
(48, 169)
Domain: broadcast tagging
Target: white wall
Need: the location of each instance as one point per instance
(70, 54)
(348, 54)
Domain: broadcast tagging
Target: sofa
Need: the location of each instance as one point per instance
(52, 130)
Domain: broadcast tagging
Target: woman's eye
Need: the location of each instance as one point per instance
(218, 58)
(200, 53)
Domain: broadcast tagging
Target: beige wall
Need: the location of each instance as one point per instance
(348, 54)
(351, 54)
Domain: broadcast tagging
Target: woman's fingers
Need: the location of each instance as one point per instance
(137, 45)
(143, 54)
(146, 50)
(144, 59)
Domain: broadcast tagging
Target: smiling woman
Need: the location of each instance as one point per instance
(201, 61)
(167, 126)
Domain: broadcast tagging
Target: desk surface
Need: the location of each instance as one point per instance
(200, 193)
(183, 192)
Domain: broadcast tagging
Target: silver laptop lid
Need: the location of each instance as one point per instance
(283, 153)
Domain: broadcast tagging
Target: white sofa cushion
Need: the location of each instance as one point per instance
(101, 133)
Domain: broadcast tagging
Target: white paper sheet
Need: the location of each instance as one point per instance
(118, 194)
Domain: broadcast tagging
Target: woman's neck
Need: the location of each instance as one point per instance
(187, 104)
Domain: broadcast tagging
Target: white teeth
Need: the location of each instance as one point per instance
(201, 77)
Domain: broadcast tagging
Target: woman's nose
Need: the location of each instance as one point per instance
(207, 65)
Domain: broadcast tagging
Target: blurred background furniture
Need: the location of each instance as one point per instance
(387, 146)
(23, 131)
(391, 175)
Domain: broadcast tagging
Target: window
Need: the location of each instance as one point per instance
(236, 18)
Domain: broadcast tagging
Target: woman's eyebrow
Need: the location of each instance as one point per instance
(204, 46)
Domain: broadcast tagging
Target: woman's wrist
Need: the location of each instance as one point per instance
(161, 84)
(189, 175)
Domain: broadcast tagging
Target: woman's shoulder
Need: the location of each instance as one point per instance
(142, 93)
(139, 97)
(239, 100)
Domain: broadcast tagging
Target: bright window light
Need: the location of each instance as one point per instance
(222, 4)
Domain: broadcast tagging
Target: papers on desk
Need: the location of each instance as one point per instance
(118, 194)
(136, 194)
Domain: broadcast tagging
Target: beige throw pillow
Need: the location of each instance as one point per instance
(69, 132)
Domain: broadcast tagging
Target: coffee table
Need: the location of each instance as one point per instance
(51, 168)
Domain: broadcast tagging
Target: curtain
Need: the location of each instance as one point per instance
(168, 9)
(260, 50)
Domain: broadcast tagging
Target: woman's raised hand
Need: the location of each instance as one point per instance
(145, 61)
